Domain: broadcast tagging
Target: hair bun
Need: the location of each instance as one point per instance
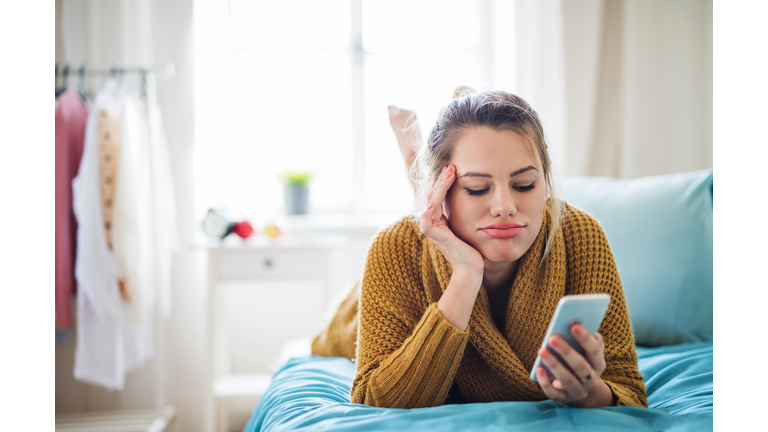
(462, 91)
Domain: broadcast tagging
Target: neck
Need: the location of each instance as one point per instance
(498, 276)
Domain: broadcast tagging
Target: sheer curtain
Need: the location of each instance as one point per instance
(624, 87)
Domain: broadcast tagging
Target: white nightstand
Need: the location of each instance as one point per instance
(313, 259)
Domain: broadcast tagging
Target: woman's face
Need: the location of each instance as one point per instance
(497, 202)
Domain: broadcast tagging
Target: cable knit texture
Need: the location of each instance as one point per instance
(409, 356)
(338, 338)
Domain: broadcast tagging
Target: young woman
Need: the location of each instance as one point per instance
(454, 304)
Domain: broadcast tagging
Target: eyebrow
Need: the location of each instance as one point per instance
(518, 172)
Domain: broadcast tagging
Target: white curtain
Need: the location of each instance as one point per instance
(624, 87)
(144, 32)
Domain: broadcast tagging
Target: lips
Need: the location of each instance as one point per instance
(502, 230)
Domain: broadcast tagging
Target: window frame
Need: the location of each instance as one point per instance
(358, 56)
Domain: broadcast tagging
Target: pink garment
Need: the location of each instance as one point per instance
(71, 116)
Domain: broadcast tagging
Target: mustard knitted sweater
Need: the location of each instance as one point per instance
(409, 356)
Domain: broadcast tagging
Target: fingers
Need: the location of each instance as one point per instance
(569, 383)
(575, 376)
(578, 374)
(592, 345)
(431, 217)
(549, 388)
(434, 211)
(577, 366)
(444, 182)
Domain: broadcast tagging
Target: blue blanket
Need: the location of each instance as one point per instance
(312, 394)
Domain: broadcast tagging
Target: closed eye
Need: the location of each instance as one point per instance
(526, 188)
(476, 191)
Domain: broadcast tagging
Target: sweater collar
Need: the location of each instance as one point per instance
(534, 295)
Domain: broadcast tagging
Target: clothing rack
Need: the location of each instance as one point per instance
(167, 70)
(163, 416)
(117, 70)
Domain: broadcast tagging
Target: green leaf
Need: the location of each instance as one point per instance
(296, 178)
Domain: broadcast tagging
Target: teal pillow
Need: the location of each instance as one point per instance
(660, 232)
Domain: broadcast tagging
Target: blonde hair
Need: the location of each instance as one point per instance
(497, 110)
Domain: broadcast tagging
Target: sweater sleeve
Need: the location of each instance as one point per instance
(407, 352)
(339, 338)
(592, 269)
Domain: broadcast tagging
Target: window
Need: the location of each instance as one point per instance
(305, 85)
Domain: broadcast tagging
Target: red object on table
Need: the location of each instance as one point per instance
(243, 229)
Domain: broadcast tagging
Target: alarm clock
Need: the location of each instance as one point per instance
(216, 225)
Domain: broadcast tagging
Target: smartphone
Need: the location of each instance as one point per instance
(585, 309)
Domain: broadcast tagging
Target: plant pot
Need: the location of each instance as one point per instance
(296, 199)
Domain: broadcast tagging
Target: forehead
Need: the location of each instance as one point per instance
(486, 150)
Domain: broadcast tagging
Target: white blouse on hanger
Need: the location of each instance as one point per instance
(115, 337)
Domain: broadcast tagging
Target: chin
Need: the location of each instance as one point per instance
(500, 253)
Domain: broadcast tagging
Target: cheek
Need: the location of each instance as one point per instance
(535, 208)
(459, 211)
(535, 199)
(539, 202)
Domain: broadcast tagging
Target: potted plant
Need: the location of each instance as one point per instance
(296, 191)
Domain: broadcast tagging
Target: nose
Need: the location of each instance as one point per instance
(503, 204)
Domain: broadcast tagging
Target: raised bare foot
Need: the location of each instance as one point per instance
(405, 125)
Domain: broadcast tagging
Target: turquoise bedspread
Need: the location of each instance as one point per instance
(312, 394)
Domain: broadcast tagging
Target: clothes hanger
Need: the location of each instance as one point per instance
(119, 70)
(63, 88)
(56, 80)
(114, 75)
(85, 95)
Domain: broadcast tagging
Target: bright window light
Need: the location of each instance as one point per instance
(290, 24)
(284, 117)
(398, 26)
(305, 85)
(423, 83)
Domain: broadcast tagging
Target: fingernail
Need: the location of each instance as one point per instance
(429, 206)
(555, 342)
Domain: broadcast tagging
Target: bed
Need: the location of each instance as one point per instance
(660, 231)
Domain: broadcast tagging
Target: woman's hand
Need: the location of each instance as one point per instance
(462, 257)
(467, 263)
(578, 384)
